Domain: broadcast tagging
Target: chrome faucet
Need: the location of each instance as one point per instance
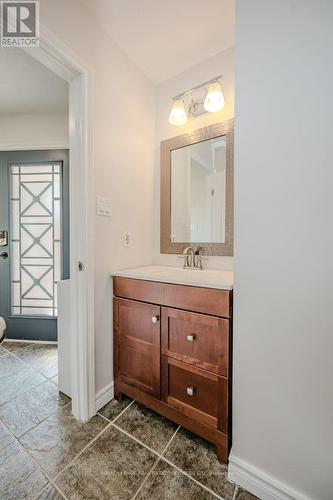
(192, 258)
(188, 254)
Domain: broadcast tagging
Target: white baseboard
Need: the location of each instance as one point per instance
(104, 396)
(259, 483)
(52, 342)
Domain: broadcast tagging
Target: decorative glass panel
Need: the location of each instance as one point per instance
(35, 218)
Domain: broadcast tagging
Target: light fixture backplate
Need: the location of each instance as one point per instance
(194, 98)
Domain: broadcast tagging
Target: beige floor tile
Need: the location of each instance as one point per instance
(150, 428)
(10, 364)
(167, 483)
(18, 382)
(41, 357)
(58, 439)
(20, 477)
(113, 467)
(112, 409)
(29, 409)
(198, 458)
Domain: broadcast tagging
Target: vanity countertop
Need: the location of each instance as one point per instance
(206, 278)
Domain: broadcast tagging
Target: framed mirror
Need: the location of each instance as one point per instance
(197, 191)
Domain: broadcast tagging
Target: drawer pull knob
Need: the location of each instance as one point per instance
(190, 338)
(154, 319)
(190, 391)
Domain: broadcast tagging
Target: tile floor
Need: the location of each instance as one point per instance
(124, 452)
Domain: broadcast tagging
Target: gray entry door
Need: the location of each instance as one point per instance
(34, 240)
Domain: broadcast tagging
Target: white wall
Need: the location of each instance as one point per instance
(222, 63)
(283, 321)
(123, 134)
(34, 130)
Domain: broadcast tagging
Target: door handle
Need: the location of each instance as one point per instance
(154, 319)
(4, 255)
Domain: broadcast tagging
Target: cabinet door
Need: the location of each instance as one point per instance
(197, 339)
(137, 345)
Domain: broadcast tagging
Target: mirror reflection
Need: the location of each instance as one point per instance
(198, 192)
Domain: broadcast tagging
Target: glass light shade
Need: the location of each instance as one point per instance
(214, 99)
(178, 115)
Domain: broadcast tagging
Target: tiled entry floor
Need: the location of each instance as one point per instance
(124, 452)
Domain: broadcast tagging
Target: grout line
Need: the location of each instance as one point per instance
(155, 464)
(135, 439)
(24, 392)
(31, 368)
(168, 461)
(120, 414)
(24, 362)
(169, 442)
(193, 479)
(157, 461)
(235, 492)
(103, 417)
(54, 486)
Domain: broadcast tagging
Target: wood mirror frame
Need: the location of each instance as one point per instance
(211, 132)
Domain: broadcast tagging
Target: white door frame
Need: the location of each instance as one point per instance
(53, 54)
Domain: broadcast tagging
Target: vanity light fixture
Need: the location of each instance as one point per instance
(204, 98)
(214, 99)
(178, 114)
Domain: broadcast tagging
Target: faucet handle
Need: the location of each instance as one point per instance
(198, 261)
(198, 258)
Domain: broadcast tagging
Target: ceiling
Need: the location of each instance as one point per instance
(26, 86)
(166, 37)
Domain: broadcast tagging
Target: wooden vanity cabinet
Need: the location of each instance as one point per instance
(174, 356)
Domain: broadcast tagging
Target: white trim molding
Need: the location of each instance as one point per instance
(32, 147)
(257, 482)
(47, 342)
(60, 59)
(104, 396)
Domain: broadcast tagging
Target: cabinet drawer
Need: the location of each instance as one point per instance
(197, 299)
(137, 345)
(197, 339)
(197, 393)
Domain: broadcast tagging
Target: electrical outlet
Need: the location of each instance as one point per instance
(127, 239)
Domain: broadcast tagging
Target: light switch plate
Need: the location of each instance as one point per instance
(103, 206)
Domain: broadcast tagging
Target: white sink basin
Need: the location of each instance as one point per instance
(205, 278)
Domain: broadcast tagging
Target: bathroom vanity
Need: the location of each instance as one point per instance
(173, 327)
(173, 346)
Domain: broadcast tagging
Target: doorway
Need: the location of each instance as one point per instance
(58, 58)
(34, 226)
